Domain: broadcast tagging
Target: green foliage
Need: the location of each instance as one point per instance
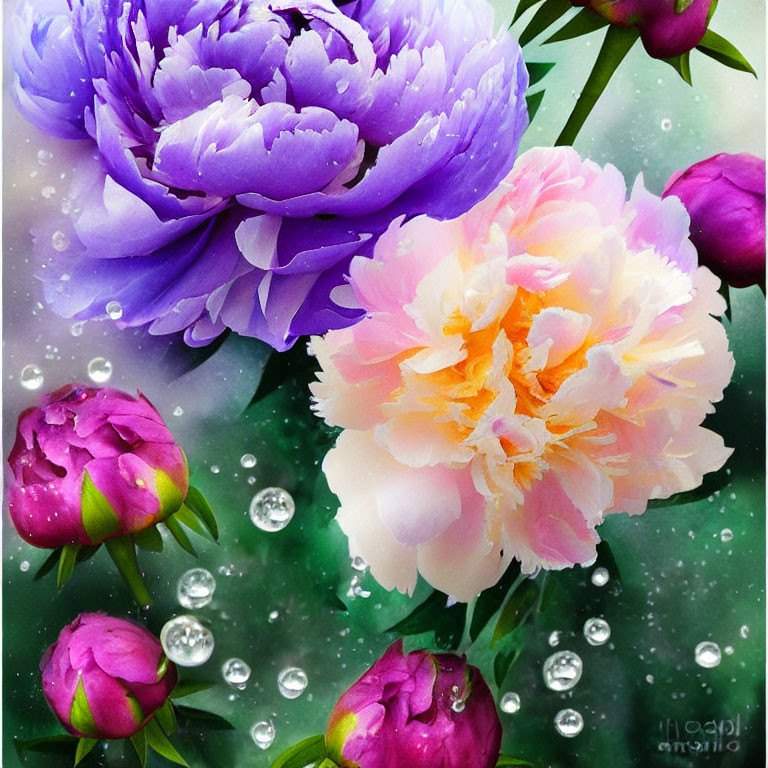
(434, 615)
(311, 750)
(718, 48)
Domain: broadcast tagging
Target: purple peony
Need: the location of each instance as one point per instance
(667, 28)
(725, 198)
(91, 464)
(416, 710)
(105, 678)
(242, 151)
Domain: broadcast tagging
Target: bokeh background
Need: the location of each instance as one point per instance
(276, 604)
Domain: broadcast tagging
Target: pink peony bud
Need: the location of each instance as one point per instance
(90, 464)
(416, 710)
(667, 27)
(105, 678)
(725, 198)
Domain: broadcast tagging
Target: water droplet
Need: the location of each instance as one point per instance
(178, 411)
(458, 705)
(76, 329)
(44, 157)
(356, 589)
(568, 723)
(597, 631)
(728, 650)
(195, 588)
(649, 679)
(186, 641)
(114, 310)
(358, 563)
(292, 682)
(726, 535)
(31, 377)
(273, 615)
(247, 460)
(24, 566)
(510, 703)
(272, 509)
(744, 631)
(59, 241)
(666, 124)
(251, 480)
(600, 577)
(263, 734)
(100, 370)
(708, 654)
(48, 192)
(342, 85)
(562, 670)
(215, 469)
(236, 672)
(554, 639)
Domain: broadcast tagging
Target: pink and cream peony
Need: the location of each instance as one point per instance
(521, 372)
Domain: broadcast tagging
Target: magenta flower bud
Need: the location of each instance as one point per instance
(91, 464)
(725, 198)
(416, 710)
(105, 678)
(667, 27)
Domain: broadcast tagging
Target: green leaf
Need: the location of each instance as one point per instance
(80, 715)
(433, 615)
(185, 517)
(99, 519)
(60, 744)
(682, 65)
(123, 554)
(582, 23)
(149, 539)
(208, 720)
(291, 368)
(87, 552)
(200, 507)
(503, 661)
(617, 44)
(84, 748)
(505, 761)
(537, 70)
(713, 481)
(166, 717)
(490, 600)
(158, 741)
(516, 609)
(718, 48)
(547, 14)
(306, 752)
(450, 627)
(48, 565)
(522, 7)
(139, 741)
(179, 534)
(327, 763)
(183, 689)
(533, 102)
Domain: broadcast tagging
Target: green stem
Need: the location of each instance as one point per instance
(617, 44)
(123, 553)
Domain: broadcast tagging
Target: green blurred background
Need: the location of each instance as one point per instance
(681, 584)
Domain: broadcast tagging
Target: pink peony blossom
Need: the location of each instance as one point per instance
(521, 372)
